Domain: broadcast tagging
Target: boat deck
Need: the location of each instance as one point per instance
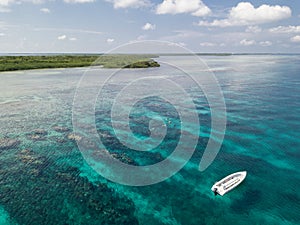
(228, 183)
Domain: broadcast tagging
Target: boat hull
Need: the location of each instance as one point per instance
(228, 183)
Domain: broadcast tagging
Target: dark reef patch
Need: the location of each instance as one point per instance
(60, 129)
(244, 204)
(7, 143)
(38, 135)
(37, 191)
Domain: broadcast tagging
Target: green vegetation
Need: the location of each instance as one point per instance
(143, 64)
(11, 63)
(126, 61)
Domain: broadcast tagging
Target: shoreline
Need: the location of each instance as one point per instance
(23, 63)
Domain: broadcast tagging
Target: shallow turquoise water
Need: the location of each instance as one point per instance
(45, 180)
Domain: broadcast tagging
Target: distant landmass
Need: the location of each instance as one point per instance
(29, 62)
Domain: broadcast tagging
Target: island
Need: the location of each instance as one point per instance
(30, 62)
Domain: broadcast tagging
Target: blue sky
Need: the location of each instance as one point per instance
(100, 25)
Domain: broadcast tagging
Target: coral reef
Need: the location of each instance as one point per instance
(60, 129)
(7, 143)
(38, 191)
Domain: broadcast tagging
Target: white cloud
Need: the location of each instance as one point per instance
(2, 34)
(287, 29)
(78, 1)
(110, 40)
(180, 44)
(33, 1)
(265, 43)
(296, 39)
(65, 37)
(149, 26)
(194, 7)
(6, 4)
(129, 3)
(73, 39)
(10, 2)
(253, 29)
(246, 14)
(45, 10)
(246, 42)
(207, 44)
(62, 37)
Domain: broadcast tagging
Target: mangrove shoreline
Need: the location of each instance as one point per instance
(14, 63)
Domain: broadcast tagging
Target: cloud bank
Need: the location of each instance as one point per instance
(246, 42)
(194, 7)
(285, 29)
(296, 39)
(246, 14)
(129, 3)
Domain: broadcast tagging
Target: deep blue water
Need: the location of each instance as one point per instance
(45, 180)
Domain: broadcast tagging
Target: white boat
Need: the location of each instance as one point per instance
(228, 183)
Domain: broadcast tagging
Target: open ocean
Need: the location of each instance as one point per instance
(44, 178)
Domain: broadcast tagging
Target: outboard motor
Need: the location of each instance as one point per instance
(215, 191)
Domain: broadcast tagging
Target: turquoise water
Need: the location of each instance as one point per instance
(45, 180)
